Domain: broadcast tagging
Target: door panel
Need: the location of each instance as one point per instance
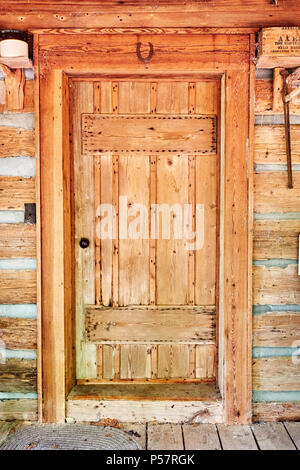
(160, 152)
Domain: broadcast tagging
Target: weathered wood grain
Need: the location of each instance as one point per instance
(201, 437)
(16, 142)
(143, 133)
(137, 432)
(269, 146)
(278, 329)
(225, 13)
(165, 436)
(294, 432)
(15, 192)
(150, 324)
(237, 437)
(145, 411)
(276, 374)
(275, 196)
(18, 287)
(17, 241)
(276, 239)
(28, 105)
(272, 436)
(264, 98)
(276, 411)
(84, 227)
(276, 285)
(23, 409)
(205, 361)
(18, 333)
(18, 375)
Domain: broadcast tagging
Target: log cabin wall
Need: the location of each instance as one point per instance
(276, 292)
(276, 286)
(18, 324)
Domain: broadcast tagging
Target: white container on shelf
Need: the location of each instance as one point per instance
(13, 48)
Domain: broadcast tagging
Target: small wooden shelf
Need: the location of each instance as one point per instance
(17, 62)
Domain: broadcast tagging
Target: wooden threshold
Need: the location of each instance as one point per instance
(148, 392)
(139, 403)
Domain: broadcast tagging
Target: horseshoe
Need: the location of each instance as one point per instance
(147, 59)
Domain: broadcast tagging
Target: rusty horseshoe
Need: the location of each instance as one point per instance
(147, 59)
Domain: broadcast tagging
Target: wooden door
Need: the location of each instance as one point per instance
(145, 179)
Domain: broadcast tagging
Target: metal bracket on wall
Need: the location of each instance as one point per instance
(286, 107)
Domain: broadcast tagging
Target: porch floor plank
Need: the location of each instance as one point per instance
(237, 437)
(165, 437)
(137, 431)
(294, 431)
(273, 436)
(201, 437)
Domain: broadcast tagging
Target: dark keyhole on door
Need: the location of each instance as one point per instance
(84, 242)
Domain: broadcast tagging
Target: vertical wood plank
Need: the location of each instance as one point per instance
(99, 361)
(134, 97)
(134, 245)
(172, 255)
(52, 300)
(97, 189)
(192, 361)
(97, 97)
(205, 361)
(153, 98)
(237, 319)
(152, 229)
(115, 253)
(116, 352)
(192, 202)
(154, 361)
(108, 361)
(172, 97)
(84, 227)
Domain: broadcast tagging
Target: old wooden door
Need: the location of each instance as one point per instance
(146, 228)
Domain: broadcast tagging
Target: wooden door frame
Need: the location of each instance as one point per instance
(56, 60)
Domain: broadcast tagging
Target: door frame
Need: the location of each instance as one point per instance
(56, 55)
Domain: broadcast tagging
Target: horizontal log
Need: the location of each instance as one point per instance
(23, 410)
(276, 239)
(17, 241)
(191, 325)
(276, 374)
(269, 144)
(147, 5)
(256, 13)
(278, 329)
(264, 100)
(276, 285)
(28, 106)
(16, 191)
(16, 142)
(276, 412)
(18, 376)
(18, 333)
(271, 193)
(18, 287)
